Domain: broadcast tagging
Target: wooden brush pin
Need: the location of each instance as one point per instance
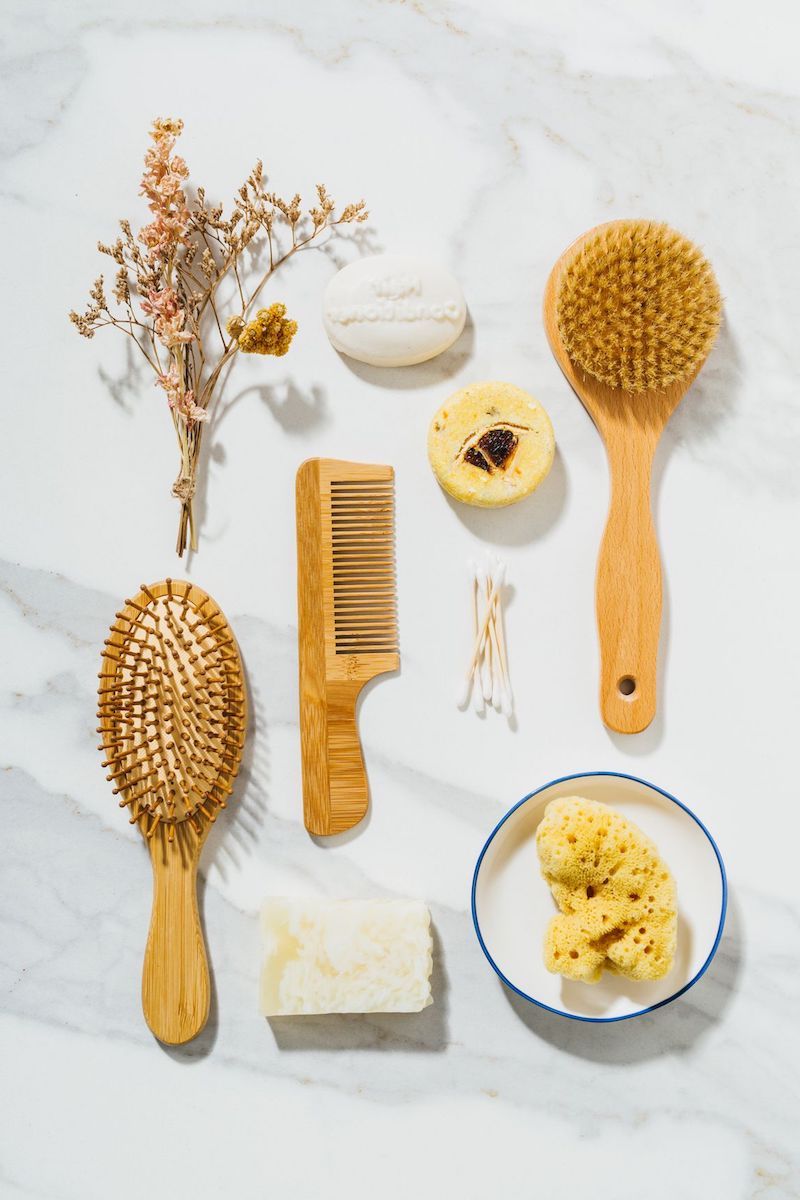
(631, 311)
(172, 716)
(347, 627)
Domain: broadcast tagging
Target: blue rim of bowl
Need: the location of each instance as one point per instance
(559, 1012)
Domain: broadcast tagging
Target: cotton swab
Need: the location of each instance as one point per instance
(497, 582)
(484, 588)
(487, 680)
(507, 702)
(472, 574)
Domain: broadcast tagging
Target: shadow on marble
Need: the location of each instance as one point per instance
(201, 1046)
(714, 395)
(127, 386)
(422, 375)
(332, 840)
(519, 524)
(426, 1032)
(363, 237)
(295, 410)
(675, 1028)
(237, 827)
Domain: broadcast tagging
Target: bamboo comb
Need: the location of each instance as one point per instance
(631, 311)
(172, 719)
(347, 627)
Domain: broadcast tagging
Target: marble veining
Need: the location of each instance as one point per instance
(485, 138)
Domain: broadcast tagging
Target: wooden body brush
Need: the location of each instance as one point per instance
(347, 627)
(631, 310)
(172, 718)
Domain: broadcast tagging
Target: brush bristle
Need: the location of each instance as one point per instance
(638, 306)
(171, 707)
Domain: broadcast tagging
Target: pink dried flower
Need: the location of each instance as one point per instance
(181, 402)
(171, 383)
(162, 185)
(169, 316)
(170, 330)
(196, 413)
(161, 304)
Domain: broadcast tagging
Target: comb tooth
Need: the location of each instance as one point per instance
(369, 562)
(360, 550)
(373, 508)
(356, 546)
(144, 588)
(354, 591)
(366, 621)
(366, 628)
(362, 523)
(363, 514)
(354, 492)
(369, 633)
(372, 640)
(368, 575)
(361, 536)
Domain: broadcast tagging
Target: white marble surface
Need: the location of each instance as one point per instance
(488, 136)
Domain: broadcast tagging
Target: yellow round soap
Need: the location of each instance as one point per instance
(491, 444)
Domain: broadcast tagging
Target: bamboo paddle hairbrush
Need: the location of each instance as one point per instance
(172, 718)
(631, 311)
(347, 627)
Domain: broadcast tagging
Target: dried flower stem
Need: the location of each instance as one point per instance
(166, 285)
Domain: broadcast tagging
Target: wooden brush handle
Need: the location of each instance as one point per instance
(175, 983)
(335, 788)
(629, 591)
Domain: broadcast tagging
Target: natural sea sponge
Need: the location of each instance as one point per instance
(617, 897)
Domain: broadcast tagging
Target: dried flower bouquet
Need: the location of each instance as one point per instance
(165, 294)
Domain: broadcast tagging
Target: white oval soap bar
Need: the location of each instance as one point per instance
(393, 310)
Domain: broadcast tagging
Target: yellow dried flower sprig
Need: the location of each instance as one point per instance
(270, 332)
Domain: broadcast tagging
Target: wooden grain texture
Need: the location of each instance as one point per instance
(347, 627)
(176, 990)
(172, 712)
(628, 585)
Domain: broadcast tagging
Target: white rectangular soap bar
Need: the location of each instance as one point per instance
(345, 956)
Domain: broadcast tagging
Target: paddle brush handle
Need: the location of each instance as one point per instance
(175, 983)
(628, 593)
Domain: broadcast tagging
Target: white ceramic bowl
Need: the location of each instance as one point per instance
(511, 903)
